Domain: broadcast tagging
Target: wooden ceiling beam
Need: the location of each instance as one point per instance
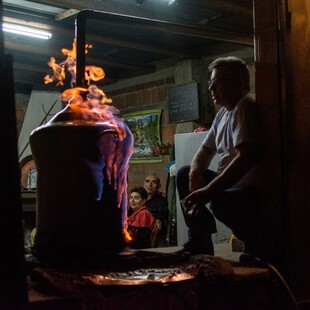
(176, 21)
(223, 6)
(100, 39)
(167, 27)
(141, 12)
(40, 52)
(150, 8)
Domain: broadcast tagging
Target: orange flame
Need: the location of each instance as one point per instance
(127, 236)
(92, 104)
(92, 73)
(59, 73)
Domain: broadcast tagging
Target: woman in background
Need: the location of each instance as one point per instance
(141, 222)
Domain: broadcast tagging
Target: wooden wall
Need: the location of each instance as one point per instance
(296, 37)
(282, 40)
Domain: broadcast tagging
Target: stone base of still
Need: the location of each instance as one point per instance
(161, 281)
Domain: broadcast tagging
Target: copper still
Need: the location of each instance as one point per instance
(81, 186)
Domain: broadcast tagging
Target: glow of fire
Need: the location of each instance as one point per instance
(92, 104)
(92, 73)
(126, 235)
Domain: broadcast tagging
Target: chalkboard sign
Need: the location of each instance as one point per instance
(183, 103)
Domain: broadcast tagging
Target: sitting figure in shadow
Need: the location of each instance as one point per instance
(233, 190)
(141, 222)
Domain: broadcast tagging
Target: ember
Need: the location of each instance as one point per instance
(82, 158)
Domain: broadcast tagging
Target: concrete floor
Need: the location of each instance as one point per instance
(251, 287)
(223, 250)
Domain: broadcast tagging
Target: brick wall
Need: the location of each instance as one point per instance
(139, 95)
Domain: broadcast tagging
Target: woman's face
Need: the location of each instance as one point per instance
(136, 201)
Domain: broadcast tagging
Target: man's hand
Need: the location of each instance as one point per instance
(195, 200)
(191, 202)
(158, 224)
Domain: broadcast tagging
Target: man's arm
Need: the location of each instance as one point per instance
(246, 158)
(159, 205)
(200, 163)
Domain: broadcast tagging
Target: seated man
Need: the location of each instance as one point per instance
(232, 191)
(158, 206)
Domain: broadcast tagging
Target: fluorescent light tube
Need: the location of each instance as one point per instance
(26, 31)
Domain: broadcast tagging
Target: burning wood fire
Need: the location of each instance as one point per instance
(87, 189)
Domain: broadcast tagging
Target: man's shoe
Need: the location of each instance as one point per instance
(202, 221)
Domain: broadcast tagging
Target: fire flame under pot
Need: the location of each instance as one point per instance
(81, 186)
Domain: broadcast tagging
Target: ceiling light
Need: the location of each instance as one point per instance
(26, 31)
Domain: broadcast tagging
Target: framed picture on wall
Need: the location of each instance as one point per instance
(145, 127)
